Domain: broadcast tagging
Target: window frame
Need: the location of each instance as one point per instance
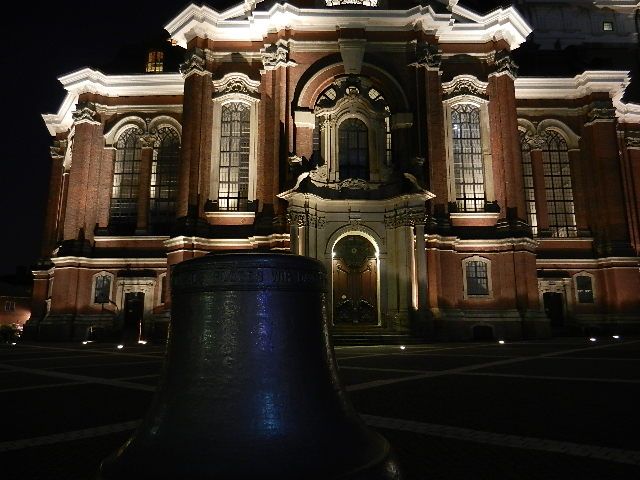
(94, 279)
(465, 287)
(485, 139)
(228, 88)
(574, 282)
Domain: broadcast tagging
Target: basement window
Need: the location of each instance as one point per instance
(607, 26)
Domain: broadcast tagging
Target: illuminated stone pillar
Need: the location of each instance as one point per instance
(195, 156)
(81, 213)
(505, 139)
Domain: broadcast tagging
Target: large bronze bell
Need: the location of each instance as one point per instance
(250, 387)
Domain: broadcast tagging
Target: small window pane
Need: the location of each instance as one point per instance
(234, 157)
(477, 278)
(584, 286)
(467, 158)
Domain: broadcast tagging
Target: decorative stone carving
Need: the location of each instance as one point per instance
(427, 56)
(364, 3)
(86, 112)
(465, 85)
(294, 160)
(537, 142)
(233, 83)
(353, 184)
(632, 140)
(275, 56)
(601, 111)
(58, 149)
(297, 218)
(148, 140)
(194, 63)
(503, 63)
(405, 217)
(320, 174)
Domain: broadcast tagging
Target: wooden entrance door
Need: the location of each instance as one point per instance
(355, 282)
(133, 312)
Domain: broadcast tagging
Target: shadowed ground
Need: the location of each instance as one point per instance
(555, 409)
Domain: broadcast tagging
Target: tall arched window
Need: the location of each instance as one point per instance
(353, 149)
(164, 179)
(233, 190)
(558, 187)
(529, 190)
(468, 164)
(126, 179)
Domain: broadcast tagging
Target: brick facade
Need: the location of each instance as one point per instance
(441, 270)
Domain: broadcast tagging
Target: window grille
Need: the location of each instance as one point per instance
(164, 177)
(529, 190)
(155, 62)
(353, 149)
(234, 157)
(102, 289)
(558, 188)
(467, 158)
(126, 179)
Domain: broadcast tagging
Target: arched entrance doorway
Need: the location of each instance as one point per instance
(355, 281)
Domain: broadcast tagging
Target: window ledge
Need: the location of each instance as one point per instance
(231, 218)
(474, 219)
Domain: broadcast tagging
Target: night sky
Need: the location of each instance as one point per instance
(42, 43)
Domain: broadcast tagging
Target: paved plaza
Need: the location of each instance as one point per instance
(565, 408)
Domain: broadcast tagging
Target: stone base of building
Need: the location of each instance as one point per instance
(488, 325)
(611, 324)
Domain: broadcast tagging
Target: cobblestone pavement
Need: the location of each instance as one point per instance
(555, 409)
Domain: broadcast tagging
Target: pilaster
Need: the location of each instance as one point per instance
(54, 202)
(195, 158)
(81, 214)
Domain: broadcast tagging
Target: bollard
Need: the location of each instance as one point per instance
(250, 386)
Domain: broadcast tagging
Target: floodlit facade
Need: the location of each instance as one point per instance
(448, 196)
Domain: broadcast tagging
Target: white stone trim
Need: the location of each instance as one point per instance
(116, 131)
(162, 285)
(79, 262)
(612, 82)
(93, 286)
(304, 119)
(487, 262)
(572, 139)
(468, 27)
(210, 243)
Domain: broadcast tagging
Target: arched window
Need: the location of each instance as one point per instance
(233, 189)
(468, 165)
(126, 179)
(529, 190)
(558, 188)
(164, 178)
(353, 149)
(477, 277)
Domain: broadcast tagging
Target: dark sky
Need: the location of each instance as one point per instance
(42, 43)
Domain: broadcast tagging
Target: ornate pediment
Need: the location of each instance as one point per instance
(195, 62)
(465, 85)
(236, 83)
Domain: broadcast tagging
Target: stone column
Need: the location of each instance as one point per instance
(612, 235)
(421, 267)
(632, 147)
(81, 214)
(195, 156)
(429, 124)
(505, 139)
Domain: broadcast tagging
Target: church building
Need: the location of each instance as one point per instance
(453, 188)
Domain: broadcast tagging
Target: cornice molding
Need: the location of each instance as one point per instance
(464, 85)
(88, 80)
(612, 82)
(231, 25)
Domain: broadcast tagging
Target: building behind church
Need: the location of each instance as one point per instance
(460, 174)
